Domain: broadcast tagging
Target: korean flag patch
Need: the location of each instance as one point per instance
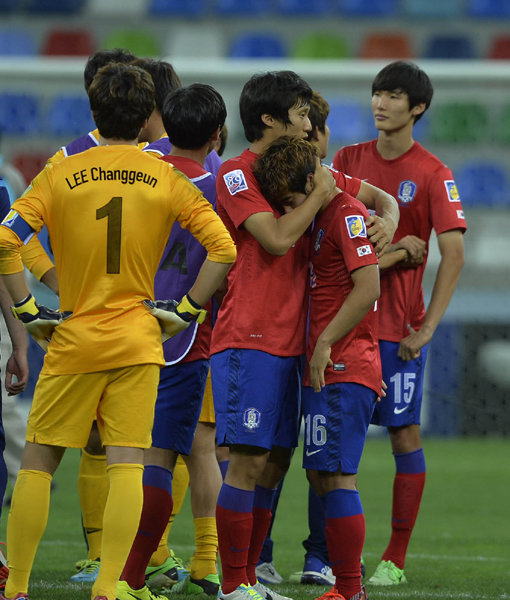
(451, 190)
(356, 226)
(364, 250)
(235, 181)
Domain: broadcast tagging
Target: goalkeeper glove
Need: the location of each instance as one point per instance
(38, 320)
(175, 316)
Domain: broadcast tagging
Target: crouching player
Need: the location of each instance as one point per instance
(343, 376)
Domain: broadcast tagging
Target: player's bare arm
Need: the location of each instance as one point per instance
(277, 234)
(357, 304)
(381, 227)
(409, 252)
(415, 246)
(451, 248)
(16, 371)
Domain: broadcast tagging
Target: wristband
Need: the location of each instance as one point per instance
(27, 307)
(189, 310)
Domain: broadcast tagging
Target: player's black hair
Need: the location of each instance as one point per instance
(407, 77)
(121, 99)
(104, 57)
(164, 77)
(192, 114)
(272, 93)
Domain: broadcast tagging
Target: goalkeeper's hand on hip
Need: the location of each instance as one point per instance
(39, 321)
(175, 316)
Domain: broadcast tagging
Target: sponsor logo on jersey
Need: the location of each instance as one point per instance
(312, 452)
(318, 240)
(407, 191)
(251, 419)
(460, 214)
(235, 181)
(356, 226)
(364, 250)
(451, 190)
(397, 411)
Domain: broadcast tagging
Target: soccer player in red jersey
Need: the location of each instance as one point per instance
(343, 376)
(259, 338)
(428, 199)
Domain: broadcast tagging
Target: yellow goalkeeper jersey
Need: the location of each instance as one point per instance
(109, 212)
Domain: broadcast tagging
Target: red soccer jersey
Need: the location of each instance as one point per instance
(264, 308)
(427, 196)
(339, 247)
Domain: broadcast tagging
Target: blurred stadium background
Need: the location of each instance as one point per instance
(338, 46)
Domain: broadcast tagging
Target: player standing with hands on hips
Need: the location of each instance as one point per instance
(109, 212)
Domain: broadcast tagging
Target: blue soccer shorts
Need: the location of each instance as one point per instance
(256, 398)
(180, 393)
(404, 378)
(336, 425)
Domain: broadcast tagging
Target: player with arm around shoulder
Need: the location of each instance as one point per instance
(428, 198)
(256, 358)
(343, 377)
(109, 212)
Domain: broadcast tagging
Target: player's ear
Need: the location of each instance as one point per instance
(214, 139)
(418, 109)
(310, 184)
(267, 119)
(216, 135)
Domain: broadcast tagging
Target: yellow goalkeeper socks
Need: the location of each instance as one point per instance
(25, 526)
(120, 524)
(203, 562)
(93, 487)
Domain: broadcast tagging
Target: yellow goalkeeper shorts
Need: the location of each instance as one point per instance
(122, 400)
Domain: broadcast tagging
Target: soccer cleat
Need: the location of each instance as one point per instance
(334, 594)
(317, 572)
(4, 570)
(363, 569)
(87, 571)
(209, 585)
(100, 598)
(267, 593)
(387, 573)
(242, 592)
(266, 573)
(20, 596)
(124, 592)
(167, 574)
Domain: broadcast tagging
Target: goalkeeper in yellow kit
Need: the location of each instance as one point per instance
(109, 211)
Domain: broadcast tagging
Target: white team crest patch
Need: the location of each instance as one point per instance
(318, 240)
(407, 191)
(364, 250)
(451, 190)
(251, 419)
(356, 226)
(235, 181)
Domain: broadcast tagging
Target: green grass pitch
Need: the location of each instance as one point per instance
(460, 548)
